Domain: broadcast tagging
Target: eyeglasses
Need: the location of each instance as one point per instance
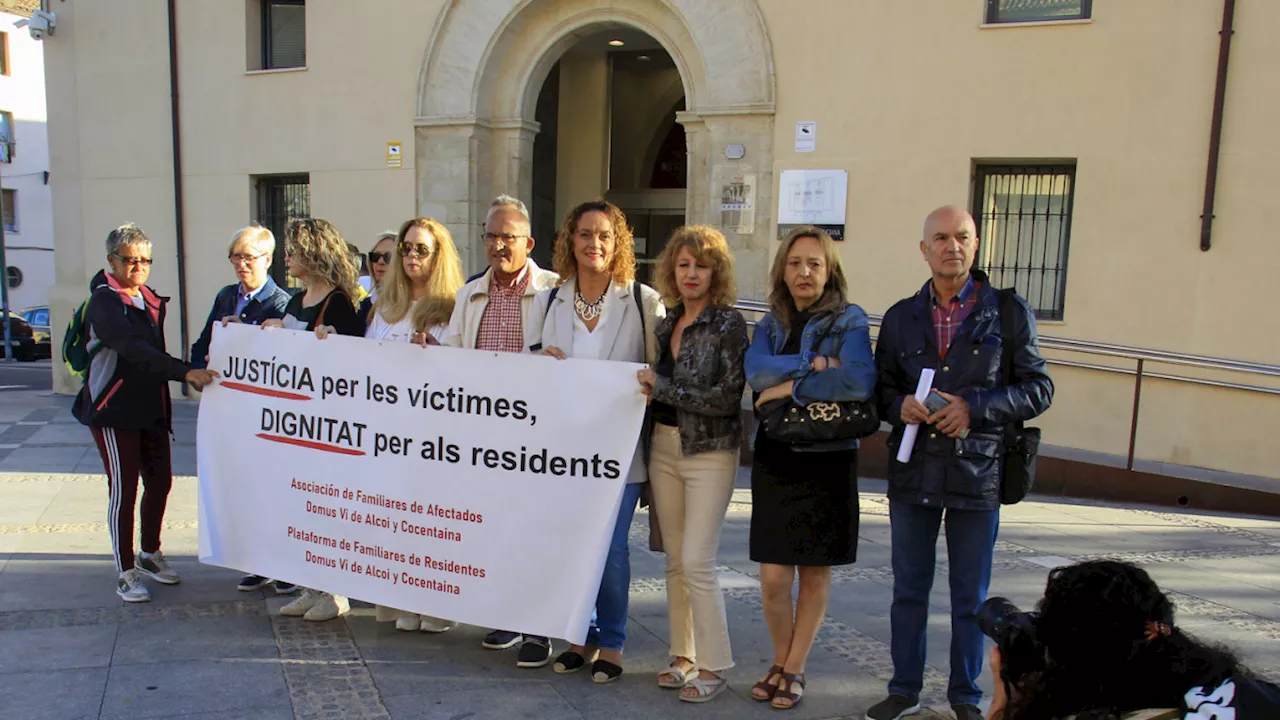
(133, 261)
(379, 257)
(420, 249)
(492, 239)
(240, 259)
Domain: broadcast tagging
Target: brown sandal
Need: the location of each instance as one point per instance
(789, 694)
(765, 686)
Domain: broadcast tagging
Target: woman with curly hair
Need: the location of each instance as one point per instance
(1112, 650)
(696, 406)
(318, 257)
(598, 312)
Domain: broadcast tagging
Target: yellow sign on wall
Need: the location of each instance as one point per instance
(393, 155)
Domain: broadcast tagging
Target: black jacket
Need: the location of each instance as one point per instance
(268, 304)
(707, 380)
(942, 472)
(127, 385)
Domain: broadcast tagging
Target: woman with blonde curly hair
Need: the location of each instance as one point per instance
(318, 257)
(598, 312)
(695, 395)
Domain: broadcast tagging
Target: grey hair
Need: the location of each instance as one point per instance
(125, 235)
(507, 201)
(259, 237)
(384, 235)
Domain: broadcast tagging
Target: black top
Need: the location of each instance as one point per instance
(798, 321)
(663, 413)
(338, 313)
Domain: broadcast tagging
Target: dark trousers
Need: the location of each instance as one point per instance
(125, 455)
(971, 539)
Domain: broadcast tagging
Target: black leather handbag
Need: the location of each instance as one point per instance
(786, 421)
(1021, 444)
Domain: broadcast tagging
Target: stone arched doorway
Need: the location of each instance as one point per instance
(486, 63)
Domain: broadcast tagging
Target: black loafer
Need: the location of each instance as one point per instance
(603, 671)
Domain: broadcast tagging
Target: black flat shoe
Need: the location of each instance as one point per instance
(569, 662)
(603, 671)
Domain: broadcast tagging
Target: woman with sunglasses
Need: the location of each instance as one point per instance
(318, 257)
(414, 303)
(380, 261)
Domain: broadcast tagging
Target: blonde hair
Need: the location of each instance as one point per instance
(708, 247)
(622, 266)
(835, 295)
(324, 254)
(255, 236)
(444, 279)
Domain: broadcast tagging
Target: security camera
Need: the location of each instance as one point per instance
(41, 24)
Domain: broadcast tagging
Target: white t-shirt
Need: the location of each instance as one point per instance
(380, 329)
(589, 344)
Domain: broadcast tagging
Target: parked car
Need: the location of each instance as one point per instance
(38, 318)
(20, 334)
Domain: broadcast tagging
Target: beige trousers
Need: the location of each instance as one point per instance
(691, 495)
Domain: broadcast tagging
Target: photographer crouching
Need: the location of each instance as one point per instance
(1103, 646)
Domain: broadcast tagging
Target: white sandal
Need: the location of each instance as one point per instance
(707, 689)
(681, 676)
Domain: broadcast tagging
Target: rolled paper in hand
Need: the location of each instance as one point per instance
(909, 434)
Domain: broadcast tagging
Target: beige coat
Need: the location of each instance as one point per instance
(473, 298)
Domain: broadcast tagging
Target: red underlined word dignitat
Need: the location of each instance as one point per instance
(125, 403)
(492, 313)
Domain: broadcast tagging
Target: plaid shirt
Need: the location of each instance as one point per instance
(502, 325)
(947, 320)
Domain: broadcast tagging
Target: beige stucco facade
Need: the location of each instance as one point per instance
(906, 97)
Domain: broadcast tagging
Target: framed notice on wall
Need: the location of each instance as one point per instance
(737, 205)
(813, 197)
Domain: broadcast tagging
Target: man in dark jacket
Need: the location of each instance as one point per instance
(125, 403)
(951, 326)
(256, 297)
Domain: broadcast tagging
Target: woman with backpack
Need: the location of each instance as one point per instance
(599, 312)
(125, 402)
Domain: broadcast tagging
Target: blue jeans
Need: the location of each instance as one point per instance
(971, 539)
(609, 621)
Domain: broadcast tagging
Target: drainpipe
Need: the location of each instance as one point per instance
(178, 214)
(1215, 129)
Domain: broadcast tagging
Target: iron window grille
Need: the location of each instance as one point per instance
(284, 34)
(1024, 226)
(1016, 11)
(282, 198)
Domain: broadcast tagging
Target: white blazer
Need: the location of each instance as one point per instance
(621, 327)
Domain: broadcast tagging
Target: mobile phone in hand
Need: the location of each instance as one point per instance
(935, 402)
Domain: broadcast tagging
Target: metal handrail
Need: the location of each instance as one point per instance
(1140, 356)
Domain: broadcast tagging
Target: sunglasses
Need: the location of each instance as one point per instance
(420, 249)
(379, 257)
(133, 261)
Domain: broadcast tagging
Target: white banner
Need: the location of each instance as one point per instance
(474, 486)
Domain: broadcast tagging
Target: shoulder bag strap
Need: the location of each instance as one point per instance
(324, 306)
(1008, 308)
(550, 299)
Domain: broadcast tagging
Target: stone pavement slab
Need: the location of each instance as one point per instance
(203, 651)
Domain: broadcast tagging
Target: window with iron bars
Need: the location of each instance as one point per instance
(282, 198)
(1015, 11)
(1024, 226)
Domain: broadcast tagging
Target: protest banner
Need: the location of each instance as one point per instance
(474, 486)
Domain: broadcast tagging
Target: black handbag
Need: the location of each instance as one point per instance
(1021, 444)
(786, 421)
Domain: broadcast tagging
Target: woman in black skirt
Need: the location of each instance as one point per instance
(813, 346)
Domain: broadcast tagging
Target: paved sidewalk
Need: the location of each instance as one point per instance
(70, 649)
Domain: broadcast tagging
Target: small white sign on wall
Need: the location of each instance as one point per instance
(806, 136)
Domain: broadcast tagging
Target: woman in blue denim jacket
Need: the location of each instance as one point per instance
(813, 346)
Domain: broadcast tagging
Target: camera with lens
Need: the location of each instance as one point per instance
(1014, 632)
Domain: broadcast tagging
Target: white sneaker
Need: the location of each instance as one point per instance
(407, 623)
(436, 625)
(130, 587)
(156, 567)
(327, 607)
(302, 604)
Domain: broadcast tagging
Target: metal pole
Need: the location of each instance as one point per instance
(4, 293)
(1137, 401)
